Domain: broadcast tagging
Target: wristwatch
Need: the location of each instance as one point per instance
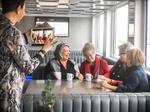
(42, 51)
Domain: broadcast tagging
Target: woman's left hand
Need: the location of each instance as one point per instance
(104, 83)
(80, 77)
(49, 42)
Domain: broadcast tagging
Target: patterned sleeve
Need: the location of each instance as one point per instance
(20, 53)
(49, 71)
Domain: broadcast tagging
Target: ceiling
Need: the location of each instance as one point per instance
(68, 8)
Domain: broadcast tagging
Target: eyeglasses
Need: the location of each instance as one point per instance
(122, 54)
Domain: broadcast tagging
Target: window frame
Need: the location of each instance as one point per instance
(146, 32)
(113, 30)
(103, 31)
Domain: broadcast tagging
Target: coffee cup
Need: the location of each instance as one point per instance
(89, 77)
(70, 76)
(58, 75)
(100, 77)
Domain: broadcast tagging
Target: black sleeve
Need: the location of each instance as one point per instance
(49, 71)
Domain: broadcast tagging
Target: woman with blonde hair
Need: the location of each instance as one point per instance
(136, 80)
(93, 64)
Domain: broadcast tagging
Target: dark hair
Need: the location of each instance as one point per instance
(11, 5)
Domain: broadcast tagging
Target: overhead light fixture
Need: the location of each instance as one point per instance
(102, 2)
(38, 6)
(63, 1)
(48, 3)
(63, 6)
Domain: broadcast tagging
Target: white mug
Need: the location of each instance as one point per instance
(88, 77)
(70, 76)
(100, 77)
(58, 75)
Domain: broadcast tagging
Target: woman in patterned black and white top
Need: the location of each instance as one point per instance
(15, 61)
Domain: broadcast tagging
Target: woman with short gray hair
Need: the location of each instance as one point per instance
(117, 73)
(61, 64)
(123, 48)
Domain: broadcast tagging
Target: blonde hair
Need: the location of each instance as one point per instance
(136, 57)
(88, 47)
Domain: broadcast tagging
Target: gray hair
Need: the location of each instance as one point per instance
(88, 47)
(59, 47)
(123, 48)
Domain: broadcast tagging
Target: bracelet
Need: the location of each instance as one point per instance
(39, 56)
(110, 80)
(42, 51)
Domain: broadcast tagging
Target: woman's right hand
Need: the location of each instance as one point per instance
(103, 78)
(107, 79)
(80, 77)
(49, 42)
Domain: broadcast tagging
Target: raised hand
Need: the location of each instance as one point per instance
(49, 42)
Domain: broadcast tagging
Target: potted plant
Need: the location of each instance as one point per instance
(48, 98)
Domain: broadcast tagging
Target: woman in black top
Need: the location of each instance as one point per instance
(61, 63)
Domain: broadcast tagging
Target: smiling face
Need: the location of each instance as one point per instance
(90, 56)
(65, 53)
(89, 52)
